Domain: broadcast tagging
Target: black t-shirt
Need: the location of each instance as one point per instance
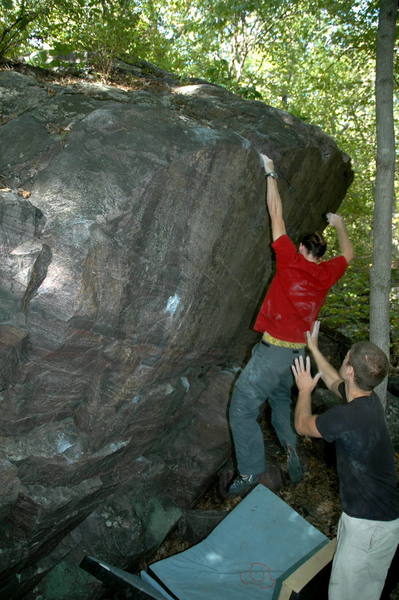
(365, 458)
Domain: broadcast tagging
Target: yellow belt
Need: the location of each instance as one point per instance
(276, 342)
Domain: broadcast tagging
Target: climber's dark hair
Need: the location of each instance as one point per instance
(315, 244)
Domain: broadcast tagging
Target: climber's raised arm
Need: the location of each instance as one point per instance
(273, 199)
(344, 242)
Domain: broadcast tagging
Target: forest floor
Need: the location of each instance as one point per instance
(315, 498)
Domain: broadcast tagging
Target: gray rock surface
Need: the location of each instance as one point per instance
(135, 252)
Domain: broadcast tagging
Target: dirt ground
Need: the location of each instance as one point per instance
(315, 497)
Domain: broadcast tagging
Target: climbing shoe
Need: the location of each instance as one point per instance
(294, 465)
(242, 484)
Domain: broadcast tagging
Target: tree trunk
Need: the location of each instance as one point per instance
(384, 184)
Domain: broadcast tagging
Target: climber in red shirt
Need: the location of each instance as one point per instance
(291, 306)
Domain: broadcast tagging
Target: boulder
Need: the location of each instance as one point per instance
(135, 253)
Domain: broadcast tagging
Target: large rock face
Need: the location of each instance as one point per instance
(135, 252)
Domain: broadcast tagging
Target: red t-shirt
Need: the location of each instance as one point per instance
(296, 293)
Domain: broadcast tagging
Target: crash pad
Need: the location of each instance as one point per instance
(262, 550)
